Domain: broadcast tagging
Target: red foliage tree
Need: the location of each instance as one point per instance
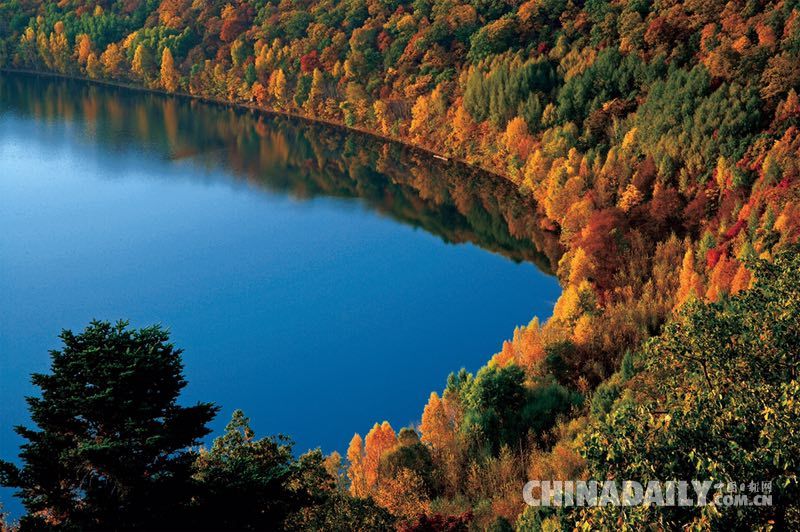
(309, 62)
(601, 239)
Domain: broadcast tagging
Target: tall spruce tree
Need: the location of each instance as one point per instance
(112, 447)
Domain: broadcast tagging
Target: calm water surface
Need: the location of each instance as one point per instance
(320, 281)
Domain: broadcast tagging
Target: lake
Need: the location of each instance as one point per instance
(319, 280)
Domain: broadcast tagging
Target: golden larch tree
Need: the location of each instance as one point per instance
(170, 77)
(463, 126)
(581, 267)
(436, 426)
(83, 47)
(140, 65)
(379, 440)
(316, 94)
(355, 471)
(112, 60)
(277, 85)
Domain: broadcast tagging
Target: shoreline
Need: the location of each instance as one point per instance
(443, 158)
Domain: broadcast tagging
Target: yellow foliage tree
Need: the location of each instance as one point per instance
(420, 116)
(741, 281)
(690, 284)
(333, 466)
(140, 65)
(355, 471)
(83, 47)
(518, 141)
(630, 198)
(260, 93)
(574, 301)
(93, 67)
(403, 495)
(463, 127)
(581, 267)
(505, 356)
(277, 86)
(583, 333)
(382, 115)
(424, 113)
(721, 278)
(170, 77)
(437, 426)
(380, 439)
(529, 346)
(576, 218)
(59, 47)
(112, 60)
(316, 94)
(262, 62)
(169, 74)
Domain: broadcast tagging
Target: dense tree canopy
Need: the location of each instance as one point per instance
(716, 398)
(659, 141)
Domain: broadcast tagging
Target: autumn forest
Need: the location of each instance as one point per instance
(654, 154)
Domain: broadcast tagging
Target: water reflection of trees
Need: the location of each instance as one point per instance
(300, 159)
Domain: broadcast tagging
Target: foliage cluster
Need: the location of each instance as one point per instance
(660, 141)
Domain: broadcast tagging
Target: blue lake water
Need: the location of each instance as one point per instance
(318, 280)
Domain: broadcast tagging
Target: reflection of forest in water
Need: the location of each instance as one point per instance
(301, 159)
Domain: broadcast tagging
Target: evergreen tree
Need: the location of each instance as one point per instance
(250, 484)
(110, 451)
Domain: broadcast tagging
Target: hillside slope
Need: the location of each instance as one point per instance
(659, 139)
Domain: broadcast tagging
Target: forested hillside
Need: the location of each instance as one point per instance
(660, 141)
